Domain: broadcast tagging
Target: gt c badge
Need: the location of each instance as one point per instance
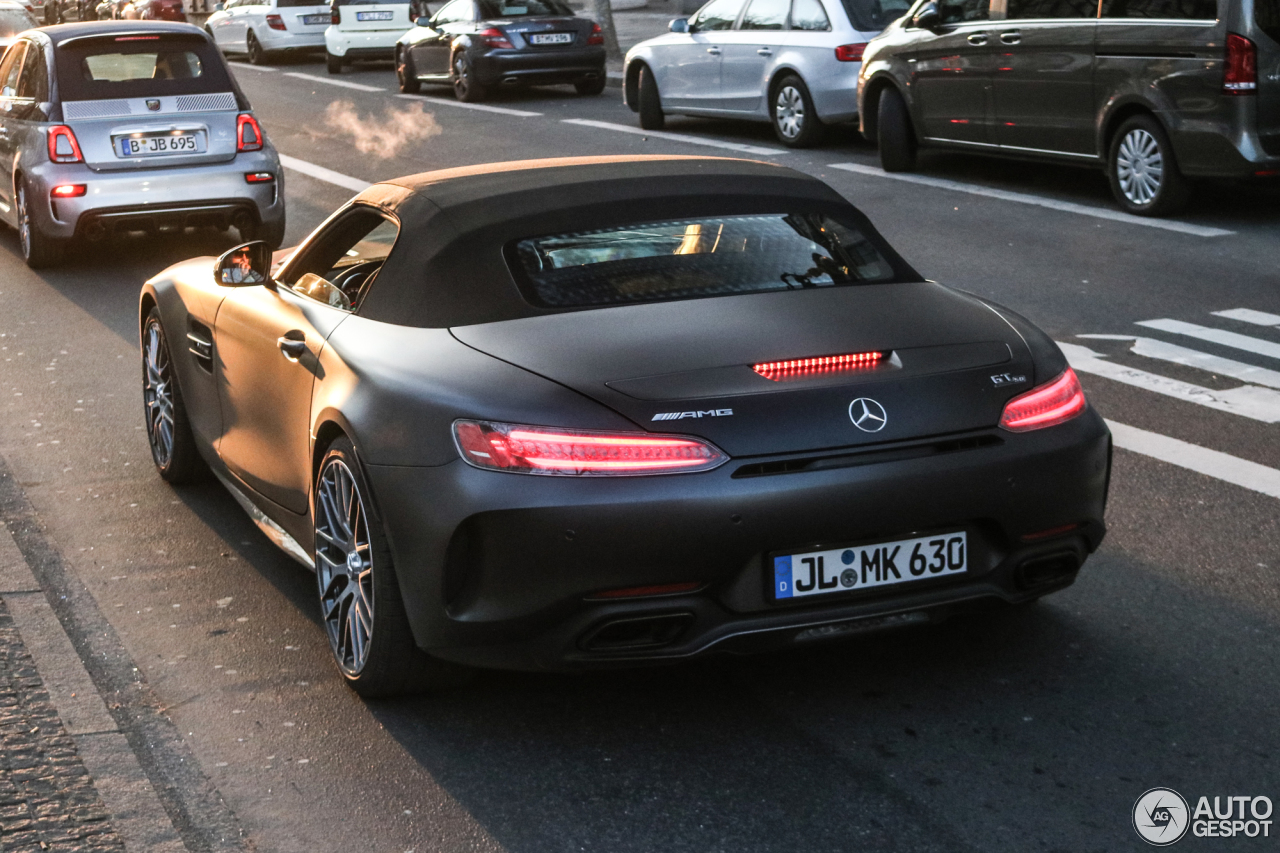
(867, 415)
(705, 413)
(1002, 379)
(153, 104)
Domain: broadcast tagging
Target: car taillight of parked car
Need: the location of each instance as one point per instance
(275, 22)
(248, 133)
(1241, 77)
(851, 52)
(335, 16)
(1048, 405)
(597, 35)
(495, 37)
(63, 147)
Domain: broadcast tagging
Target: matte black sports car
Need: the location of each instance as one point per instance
(570, 413)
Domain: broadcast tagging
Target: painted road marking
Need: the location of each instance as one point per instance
(1152, 348)
(677, 137)
(359, 87)
(1248, 315)
(1250, 401)
(1220, 466)
(250, 67)
(322, 174)
(1039, 201)
(1256, 346)
(448, 102)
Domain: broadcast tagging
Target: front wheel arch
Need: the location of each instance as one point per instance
(631, 85)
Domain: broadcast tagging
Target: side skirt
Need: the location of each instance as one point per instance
(270, 529)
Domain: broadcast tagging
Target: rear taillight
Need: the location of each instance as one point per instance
(68, 191)
(495, 37)
(63, 147)
(1241, 77)
(543, 450)
(851, 52)
(248, 133)
(275, 22)
(335, 16)
(1051, 404)
(797, 368)
(597, 35)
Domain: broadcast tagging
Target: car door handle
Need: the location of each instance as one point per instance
(714, 51)
(292, 345)
(764, 51)
(1010, 38)
(978, 39)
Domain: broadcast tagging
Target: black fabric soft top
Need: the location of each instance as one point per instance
(448, 269)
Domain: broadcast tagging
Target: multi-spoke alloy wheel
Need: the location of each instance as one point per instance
(157, 393)
(38, 249)
(789, 111)
(795, 122)
(344, 566)
(1143, 169)
(1140, 166)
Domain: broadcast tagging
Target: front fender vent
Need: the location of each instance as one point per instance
(200, 344)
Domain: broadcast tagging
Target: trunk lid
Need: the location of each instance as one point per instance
(295, 18)
(686, 366)
(365, 17)
(535, 34)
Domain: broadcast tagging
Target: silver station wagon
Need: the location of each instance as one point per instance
(110, 127)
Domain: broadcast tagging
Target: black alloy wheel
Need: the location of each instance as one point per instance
(894, 134)
(651, 114)
(360, 602)
(38, 249)
(592, 86)
(465, 86)
(795, 120)
(257, 55)
(173, 447)
(1143, 170)
(406, 74)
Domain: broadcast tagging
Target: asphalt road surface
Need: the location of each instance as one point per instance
(1018, 731)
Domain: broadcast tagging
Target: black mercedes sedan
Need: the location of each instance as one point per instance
(476, 46)
(607, 411)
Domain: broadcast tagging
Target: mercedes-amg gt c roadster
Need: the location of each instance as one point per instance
(597, 412)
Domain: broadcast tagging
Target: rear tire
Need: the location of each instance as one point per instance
(465, 86)
(651, 115)
(406, 74)
(333, 63)
(1143, 171)
(257, 54)
(792, 113)
(173, 447)
(38, 249)
(894, 133)
(594, 86)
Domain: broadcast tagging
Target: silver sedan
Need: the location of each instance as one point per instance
(793, 63)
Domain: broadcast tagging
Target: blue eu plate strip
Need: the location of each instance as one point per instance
(782, 577)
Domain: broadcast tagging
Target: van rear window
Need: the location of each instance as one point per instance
(139, 67)
(1267, 15)
(1194, 10)
(695, 258)
(872, 16)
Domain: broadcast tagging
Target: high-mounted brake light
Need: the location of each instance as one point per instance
(495, 37)
(797, 368)
(275, 22)
(248, 133)
(68, 191)
(136, 38)
(63, 147)
(1241, 76)
(851, 52)
(544, 450)
(597, 35)
(1049, 405)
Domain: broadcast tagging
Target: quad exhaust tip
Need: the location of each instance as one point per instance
(637, 632)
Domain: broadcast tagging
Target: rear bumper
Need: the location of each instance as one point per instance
(550, 66)
(359, 44)
(282, 42)
(834, 89)
(498, 569)
(1222, 142)
(158, 198)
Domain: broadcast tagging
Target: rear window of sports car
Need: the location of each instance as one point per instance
(694, 258)
(138, 67)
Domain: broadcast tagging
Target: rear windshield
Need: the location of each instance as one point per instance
(694, 258)
(14, 21)
(371, 2)
(1267, 15)
(523, 9)
(872, 16)
(289, 4)
(139, 67)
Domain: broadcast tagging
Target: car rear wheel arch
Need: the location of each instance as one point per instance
(1118, 116)
(631, 85)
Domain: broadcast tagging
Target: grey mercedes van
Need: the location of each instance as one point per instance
(1153, 91)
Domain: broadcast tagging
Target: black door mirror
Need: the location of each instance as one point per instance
(679, 25)
(928, 18)
(245, 265)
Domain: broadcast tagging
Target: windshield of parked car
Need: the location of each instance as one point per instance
(14, 21)
(872, 16)
(138, 67)
(523, 9)
(693, 258)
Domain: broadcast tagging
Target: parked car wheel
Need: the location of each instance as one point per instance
(360, 603)
(38, 249)
(896, 138)
(333, 63)
(406, 74)
(465, 86)
(594, 86)
(1143, 171)
(795, 120)
(257, 54)
(651, 115)
(173, 448)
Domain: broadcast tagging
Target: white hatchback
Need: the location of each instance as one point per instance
(793, 63)
(365, 29)
(263, 28)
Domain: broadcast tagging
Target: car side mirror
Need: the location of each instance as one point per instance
(928, 18)
(218, 7)
(679, 25)
(245, 265)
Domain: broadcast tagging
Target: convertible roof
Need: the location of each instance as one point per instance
(448, 267)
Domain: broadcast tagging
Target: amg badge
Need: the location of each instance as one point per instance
(705, 413)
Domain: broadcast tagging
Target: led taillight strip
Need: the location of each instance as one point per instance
(798, 367)
(526, 449)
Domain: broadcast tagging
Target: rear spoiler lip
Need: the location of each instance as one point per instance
(193, 34)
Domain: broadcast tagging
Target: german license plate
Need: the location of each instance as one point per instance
(374, 16)
(316, 19)
(159, 144)
(551, 38)
(815, 573)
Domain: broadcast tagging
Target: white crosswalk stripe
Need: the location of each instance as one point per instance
(1152, 348)
(1248, 315)
(1216, 336)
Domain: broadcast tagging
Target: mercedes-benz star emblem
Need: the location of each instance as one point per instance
(867, 415)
